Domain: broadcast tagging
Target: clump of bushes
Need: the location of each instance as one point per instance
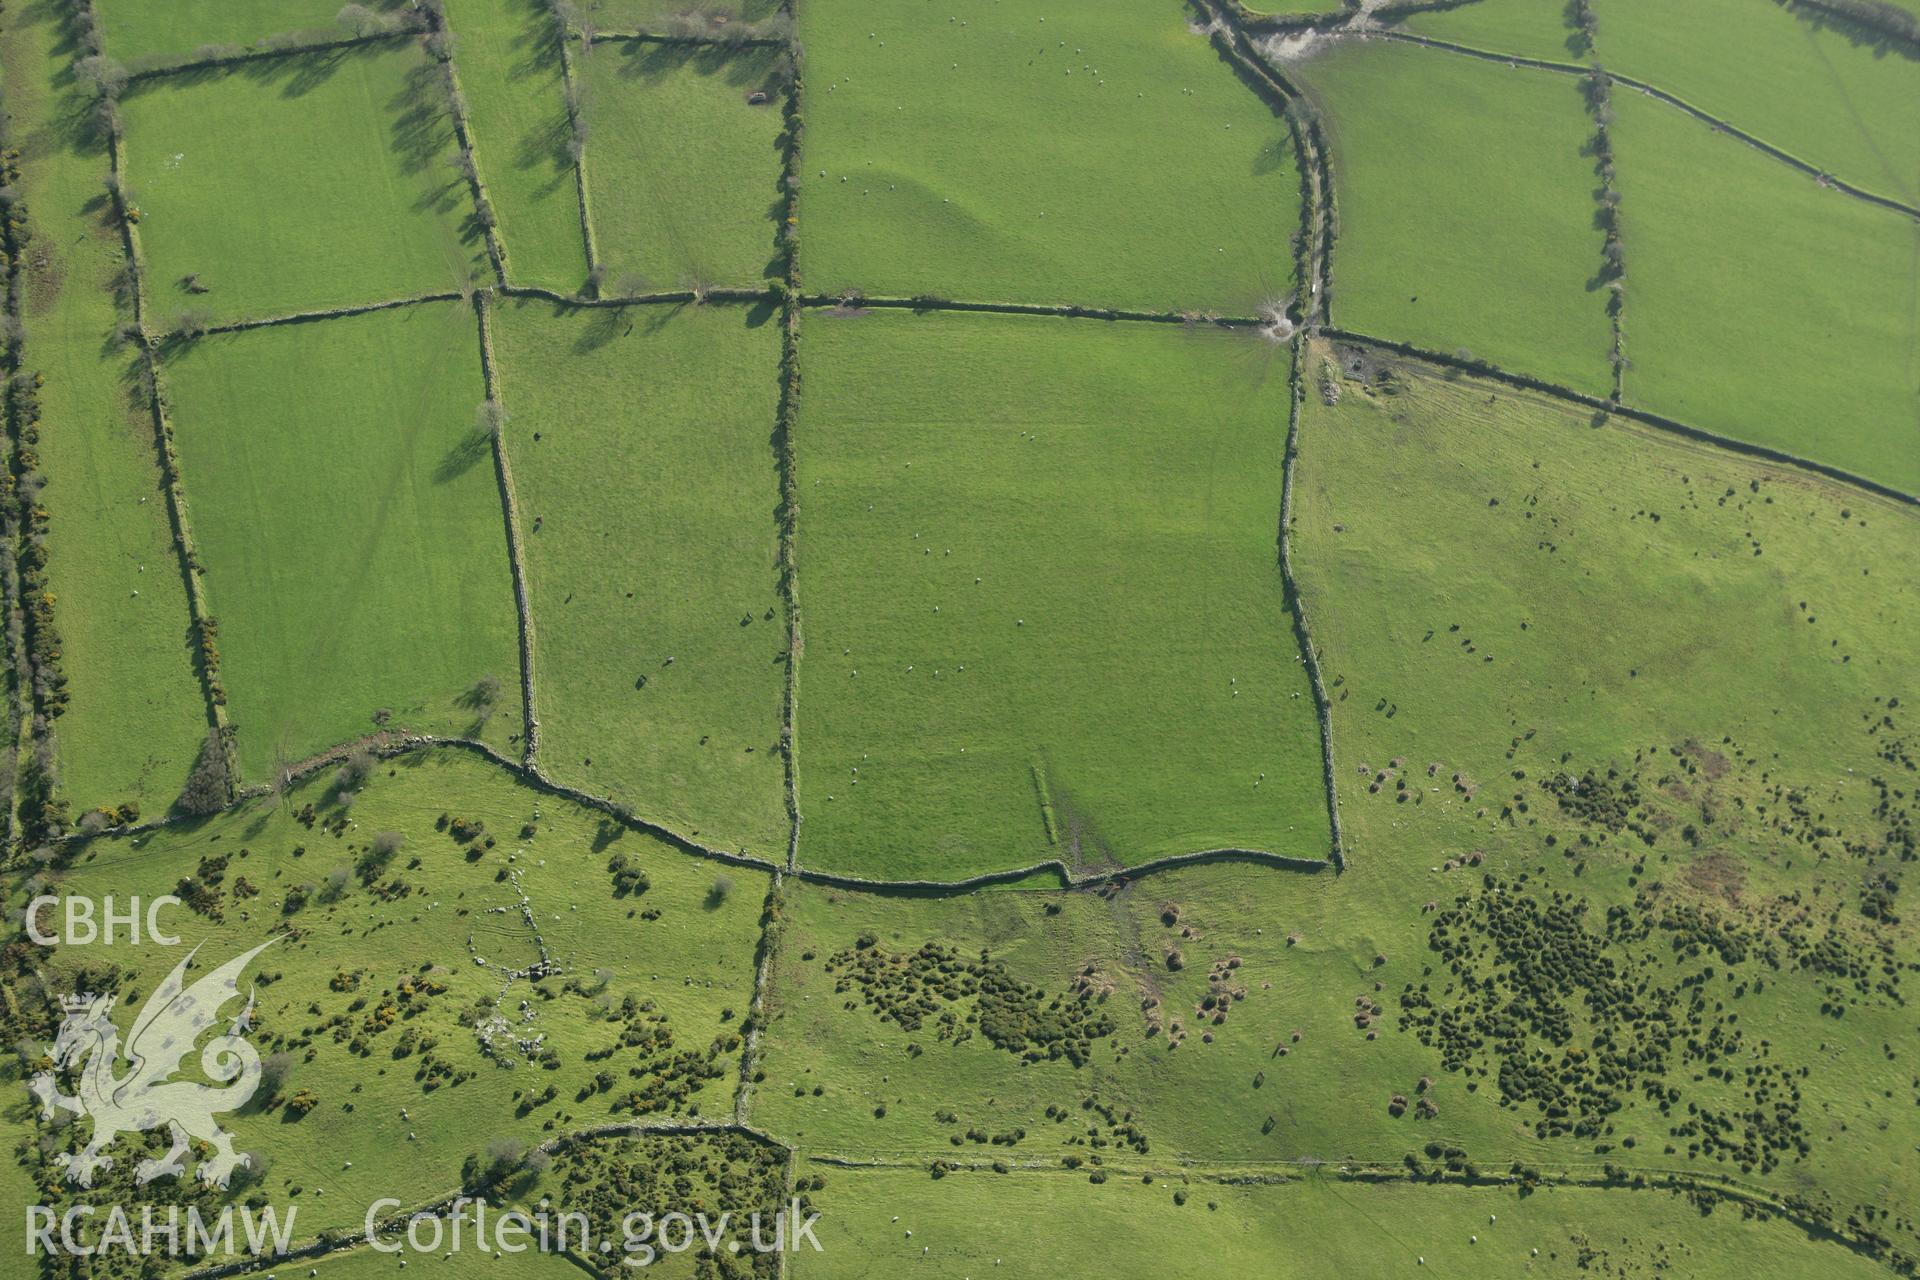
(210, 785)
(628, 877)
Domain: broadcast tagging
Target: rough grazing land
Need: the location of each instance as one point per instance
(391, 963)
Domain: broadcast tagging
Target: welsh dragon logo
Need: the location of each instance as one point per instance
(145, 1096)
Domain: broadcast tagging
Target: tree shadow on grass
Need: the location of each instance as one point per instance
(1273, 157)
(296, 74)
(545, 148)
(654, 62)
(469, 452)
(537, 50)
(1862, 34)
(607, 323)
(422, 131)
(480, 700)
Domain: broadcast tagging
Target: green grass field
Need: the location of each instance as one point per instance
(345, 505)
(1161, 183)
(511, 75)
(385, 975)
(1781, 74)
(136, 716)
(1041, 1224)
(647, 488)
(298, 183)
(682, 171)
(179, 28)
(1465, 208)
(1732, 326)
(1038, 630)
(1529, 28)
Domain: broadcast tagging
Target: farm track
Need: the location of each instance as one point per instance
(516, 549)
(1322, 705)
(1318, 214)
(768, 943)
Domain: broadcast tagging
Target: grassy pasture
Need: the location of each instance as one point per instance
(682, 172)
(1763, 307)
(647, 486)
(1035, 1223)
(136, 715)
(1035, 628)
(177, 28)
(438, 903)
(1466, 209)
(1529, 28)
(1780, 73)
(1542, 539)
(1161, 182)
(344, 502)
(298, 183)
(508, 56)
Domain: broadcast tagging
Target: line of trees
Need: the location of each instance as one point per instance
(30, 627)
(1585, 26)
(31, 634)
(1597, 88)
